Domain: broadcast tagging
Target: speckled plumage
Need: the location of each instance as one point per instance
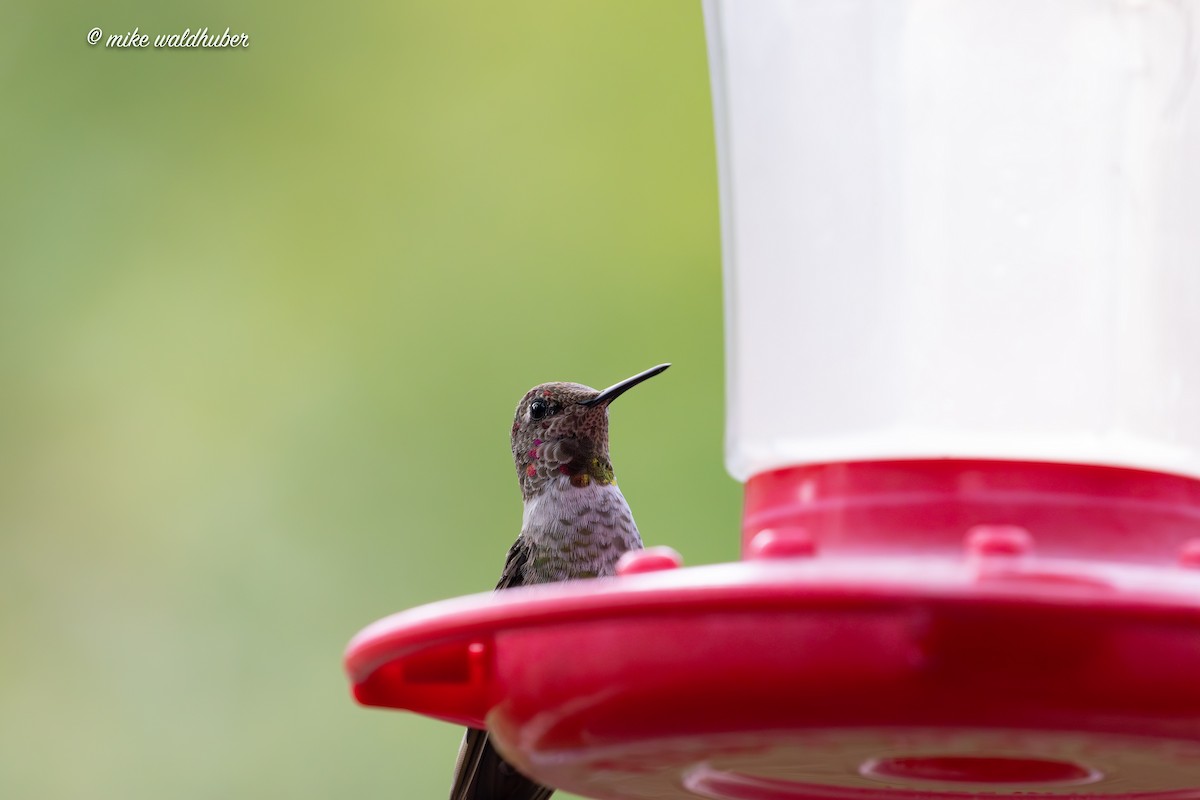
(576, 525)
(576, 531)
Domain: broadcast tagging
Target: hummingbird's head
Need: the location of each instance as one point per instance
(562, 429)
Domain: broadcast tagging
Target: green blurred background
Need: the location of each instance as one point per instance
(265, 316)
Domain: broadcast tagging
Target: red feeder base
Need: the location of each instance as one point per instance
(841, 671)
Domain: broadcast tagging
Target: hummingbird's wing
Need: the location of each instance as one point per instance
(481, 773)
(514, 565)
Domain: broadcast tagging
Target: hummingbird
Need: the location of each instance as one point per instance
(576, 525)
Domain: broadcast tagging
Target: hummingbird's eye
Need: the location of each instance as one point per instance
(538, 409)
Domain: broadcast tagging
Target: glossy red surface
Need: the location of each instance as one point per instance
(1028, 640)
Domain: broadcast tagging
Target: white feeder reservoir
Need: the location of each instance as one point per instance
(960, 228)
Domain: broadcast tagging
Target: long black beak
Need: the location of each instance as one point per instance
(618, 389)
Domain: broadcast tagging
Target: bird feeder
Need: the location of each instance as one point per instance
(962, 276)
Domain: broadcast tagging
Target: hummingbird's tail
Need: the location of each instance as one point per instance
(482, 774)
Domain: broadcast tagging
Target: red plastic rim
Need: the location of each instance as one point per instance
(977, 769)
(924, 507)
